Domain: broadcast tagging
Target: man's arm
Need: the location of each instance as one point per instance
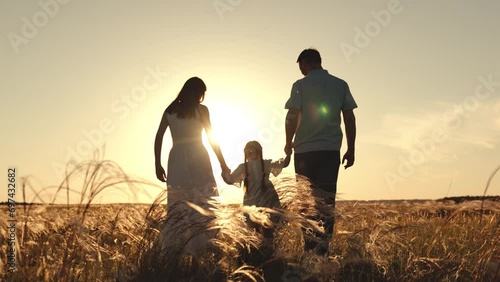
(292, 118)
(350, 132)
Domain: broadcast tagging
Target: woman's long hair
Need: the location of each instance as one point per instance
(190, 96)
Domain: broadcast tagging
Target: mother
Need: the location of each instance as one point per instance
(190, 176)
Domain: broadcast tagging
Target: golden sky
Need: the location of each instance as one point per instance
(425, 75)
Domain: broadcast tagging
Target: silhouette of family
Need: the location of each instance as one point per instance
(318, 103)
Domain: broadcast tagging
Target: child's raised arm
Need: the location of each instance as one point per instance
(277, 166)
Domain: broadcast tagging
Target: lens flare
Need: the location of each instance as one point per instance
(323, 110)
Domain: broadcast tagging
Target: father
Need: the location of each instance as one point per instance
(318, 99)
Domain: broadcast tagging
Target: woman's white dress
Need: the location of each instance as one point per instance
(189, 172)
(189, 179)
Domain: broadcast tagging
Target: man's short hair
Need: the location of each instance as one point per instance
(310, 56)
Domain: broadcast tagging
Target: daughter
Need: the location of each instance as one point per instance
(259, 191)
(254, 173)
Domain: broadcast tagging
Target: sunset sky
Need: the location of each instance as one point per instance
(425, 74)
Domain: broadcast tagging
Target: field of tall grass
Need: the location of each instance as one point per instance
(373, 241)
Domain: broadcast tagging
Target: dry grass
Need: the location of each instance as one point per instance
(374, 241)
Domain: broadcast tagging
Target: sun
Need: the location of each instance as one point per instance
(230, 129)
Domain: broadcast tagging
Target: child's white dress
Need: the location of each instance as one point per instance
(255, 194)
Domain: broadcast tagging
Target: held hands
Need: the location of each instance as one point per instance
(226, 171)
(348, 158)
(286, 161)
(225, 177)
(160, 173)
(288, 148)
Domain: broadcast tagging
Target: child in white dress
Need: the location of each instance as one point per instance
(258, 191)
(254, 172)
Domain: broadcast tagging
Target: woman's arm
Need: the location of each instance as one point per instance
(207, 125)
(160, 172)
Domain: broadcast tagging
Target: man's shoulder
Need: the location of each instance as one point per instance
(299, 81)
(336, 79)
(324, 76)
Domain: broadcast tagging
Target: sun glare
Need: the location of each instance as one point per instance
(230, 128)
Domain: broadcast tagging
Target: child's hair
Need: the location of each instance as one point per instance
(258, 148)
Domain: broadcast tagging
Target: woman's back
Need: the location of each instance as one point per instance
(185, 130)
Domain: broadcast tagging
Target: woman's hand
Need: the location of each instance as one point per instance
(160, 173)
(225, 169)
(225, 177)
(226, 172)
